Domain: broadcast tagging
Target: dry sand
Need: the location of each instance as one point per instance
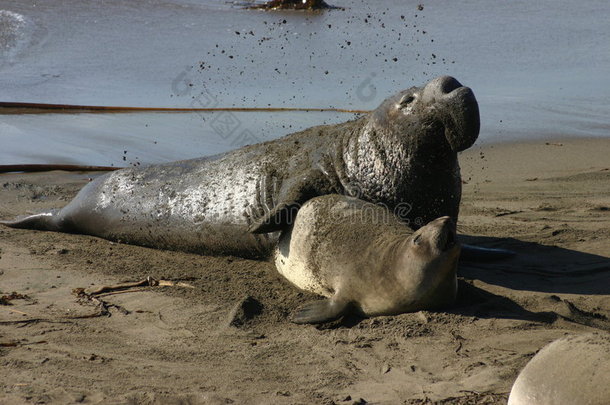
(549, 202)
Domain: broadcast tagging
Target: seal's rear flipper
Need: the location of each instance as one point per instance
(472, 253)
(45, 221)
(320, 311)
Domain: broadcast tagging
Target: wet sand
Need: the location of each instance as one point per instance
(549, 201)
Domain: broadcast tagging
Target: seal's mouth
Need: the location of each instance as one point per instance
(463, 128)
(450, 241)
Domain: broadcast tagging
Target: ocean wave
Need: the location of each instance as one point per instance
(12, 16)
(13, 35)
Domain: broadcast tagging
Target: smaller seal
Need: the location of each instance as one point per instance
(365, 260)
(572, 370)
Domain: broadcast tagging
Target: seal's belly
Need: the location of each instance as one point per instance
(294, 263)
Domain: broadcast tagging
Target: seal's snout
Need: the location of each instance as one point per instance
(437, 89)
(447, 84)
(445, 233)
(458, 108)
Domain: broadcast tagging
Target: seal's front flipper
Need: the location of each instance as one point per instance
(295, 191)
(276, 219)
(320, 311)
(45, 221)
(471, 253)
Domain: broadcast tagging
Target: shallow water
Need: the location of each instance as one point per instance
(539, 69)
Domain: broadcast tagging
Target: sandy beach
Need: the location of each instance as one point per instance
(228, 340)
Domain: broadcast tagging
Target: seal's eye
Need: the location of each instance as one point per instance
(406, 100)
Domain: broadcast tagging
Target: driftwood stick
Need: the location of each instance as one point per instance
(29, 168)
(147, 282)
(46, 108)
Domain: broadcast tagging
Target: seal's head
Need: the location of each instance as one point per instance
(429, 260)
(437, 239)
(442, 106)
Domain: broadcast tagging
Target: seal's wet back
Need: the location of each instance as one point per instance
(404, 154)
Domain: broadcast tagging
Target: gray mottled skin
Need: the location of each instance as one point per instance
(364, 259)
(403, 154)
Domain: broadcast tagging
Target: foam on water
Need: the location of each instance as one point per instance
(13, 35)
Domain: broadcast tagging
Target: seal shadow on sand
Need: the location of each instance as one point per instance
(476, 302)
(536, 268)
(539, 268)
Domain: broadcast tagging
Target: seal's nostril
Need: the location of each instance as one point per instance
(439, 88)
(448, 84)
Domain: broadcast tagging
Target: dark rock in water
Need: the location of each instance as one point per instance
(292, 5)
(245, 310)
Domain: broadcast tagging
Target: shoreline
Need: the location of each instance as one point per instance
(550, 203)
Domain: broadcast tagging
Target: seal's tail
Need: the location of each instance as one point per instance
(45, 221)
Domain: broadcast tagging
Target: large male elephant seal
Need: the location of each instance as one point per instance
(403, 154)
(364, 259)
(572, 370)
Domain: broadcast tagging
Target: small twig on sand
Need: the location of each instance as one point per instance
(15, 343)
(131, 290)
(35, 320)
(97, 293)
(502, 214)
(147, 282)
(18, 312)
